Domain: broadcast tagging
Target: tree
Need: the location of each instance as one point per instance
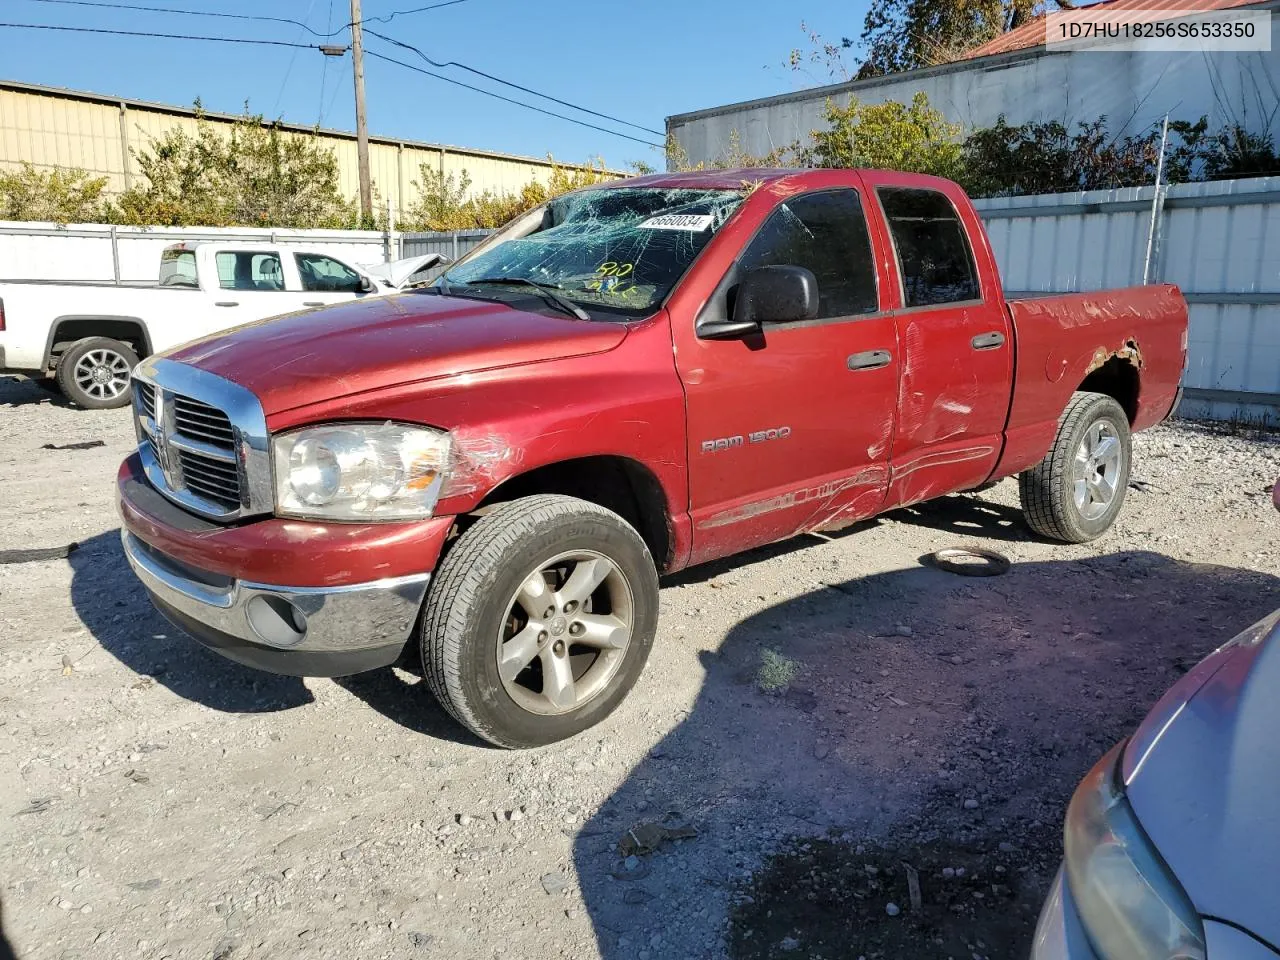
(822, 53)
(914, 138)
(908, 34)
(1234, 152)
(62, 196)
(256, 175)
(733, 157)
(1005, 160)
(445, 200)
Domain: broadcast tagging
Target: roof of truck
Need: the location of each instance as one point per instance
(707, 179)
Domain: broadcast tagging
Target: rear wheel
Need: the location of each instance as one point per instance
(539, 620)
(1075, 493)
(94, 373)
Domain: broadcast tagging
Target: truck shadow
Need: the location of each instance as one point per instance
(114, 607)
(816, 719)
(15, 392)
(967, 515)
(408, 702)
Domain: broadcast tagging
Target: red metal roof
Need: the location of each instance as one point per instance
(1031, 33)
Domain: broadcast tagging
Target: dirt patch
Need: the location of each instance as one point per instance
(836, 899)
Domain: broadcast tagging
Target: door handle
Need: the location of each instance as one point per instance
(227, 303)
(988, 341)
(869, 360)
(313, 303)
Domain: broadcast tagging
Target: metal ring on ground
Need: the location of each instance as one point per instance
(959, 560)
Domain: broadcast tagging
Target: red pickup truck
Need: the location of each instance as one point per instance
(634, 378)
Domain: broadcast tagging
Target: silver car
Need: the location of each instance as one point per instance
(1173, 839)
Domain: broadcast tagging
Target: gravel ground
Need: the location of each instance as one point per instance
(815, 715)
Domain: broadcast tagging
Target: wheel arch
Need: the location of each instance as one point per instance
(1117, 378)
(618, 483)
(66, 330)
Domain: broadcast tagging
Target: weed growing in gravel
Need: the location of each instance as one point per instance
(776, 671)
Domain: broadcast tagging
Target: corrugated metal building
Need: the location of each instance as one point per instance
(1017, 76)
(51, 127)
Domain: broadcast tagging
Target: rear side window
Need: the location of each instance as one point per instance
(178, 268)
(826, 233)
(934, 258)
(246, 270)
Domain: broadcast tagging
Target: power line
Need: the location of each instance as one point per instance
(518, 103)
(324, 72)
(508, 83)
(163, 36)
(312, 46)
(386, 18)
(293, 58)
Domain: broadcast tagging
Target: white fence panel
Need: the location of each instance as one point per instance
(1219, 242)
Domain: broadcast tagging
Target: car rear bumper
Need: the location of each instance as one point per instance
(1059, 933)
(300, 631)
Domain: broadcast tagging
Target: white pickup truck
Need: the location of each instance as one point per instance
(89, 336)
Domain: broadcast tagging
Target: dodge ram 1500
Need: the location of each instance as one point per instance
(631, 379)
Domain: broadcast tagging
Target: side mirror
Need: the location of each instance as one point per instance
(367, 285)
(776, 294)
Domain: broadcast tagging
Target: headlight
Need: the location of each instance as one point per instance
(1130, 903)
(359, 471)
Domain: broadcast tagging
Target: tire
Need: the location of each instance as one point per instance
(1075, 494)
(476, 607)
(85, 362)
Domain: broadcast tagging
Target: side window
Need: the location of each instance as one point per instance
(327, 274)
(933, 249)
(245, 270)
(178, 268)
(826, 233)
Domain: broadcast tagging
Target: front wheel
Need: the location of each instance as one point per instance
(1075, 493)
(539, 620)
(94, 373)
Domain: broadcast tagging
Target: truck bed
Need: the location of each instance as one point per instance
(1065, 340)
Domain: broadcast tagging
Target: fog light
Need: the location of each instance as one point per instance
(276, 621)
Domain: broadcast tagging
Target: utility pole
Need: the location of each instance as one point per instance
(362, 130)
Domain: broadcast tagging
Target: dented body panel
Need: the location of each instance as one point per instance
(1064, 339)
(746, 441)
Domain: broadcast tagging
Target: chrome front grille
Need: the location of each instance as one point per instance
(191, 418)
(202, 440)
(146, 398)
(209, 478)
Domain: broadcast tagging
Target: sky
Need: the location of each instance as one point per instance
(639, 64)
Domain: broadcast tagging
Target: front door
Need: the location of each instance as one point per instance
(790, 431)
(326, 280)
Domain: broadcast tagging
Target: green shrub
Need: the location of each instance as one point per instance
(62, 196)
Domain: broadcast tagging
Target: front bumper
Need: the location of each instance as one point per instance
(1059, 933)
(298, 631)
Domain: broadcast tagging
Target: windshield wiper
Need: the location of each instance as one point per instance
(547, 291)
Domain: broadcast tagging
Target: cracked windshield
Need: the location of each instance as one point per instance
(617, 250)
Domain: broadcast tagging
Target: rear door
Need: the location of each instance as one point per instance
(250, 285)
(953, 331)
(790, 430)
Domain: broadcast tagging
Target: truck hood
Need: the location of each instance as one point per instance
(303, 358)
(1205, 779)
